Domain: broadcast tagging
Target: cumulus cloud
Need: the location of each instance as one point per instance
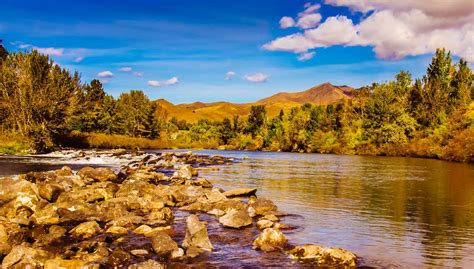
(105, 74)
(394, 29)
(169, 82)
(230, 75)
(287, 22)
(309, 20)
(125, 69)
(138, 74)
(257, 77)
(306, 56)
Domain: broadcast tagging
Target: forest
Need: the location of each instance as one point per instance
(44, 107)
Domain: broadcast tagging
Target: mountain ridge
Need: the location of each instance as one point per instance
(322, 94)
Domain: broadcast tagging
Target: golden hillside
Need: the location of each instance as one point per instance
(322, 94)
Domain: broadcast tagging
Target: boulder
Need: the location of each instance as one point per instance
(236, 219)
(10, 234)
(269, 240)
(46, 216)
(26, 257)
(262, 206)
(240, 192)
(163, 244)
(196, 234)
(49, 191)
(215, 195)
(97, 174)
(322, 256)
(186, 172)
(85, 230)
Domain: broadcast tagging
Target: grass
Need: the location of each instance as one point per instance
(10, 145)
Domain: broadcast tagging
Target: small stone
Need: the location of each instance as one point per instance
(186, 172)
(216, 212)
(117, 230)
(118, 257)
(269, 240)
(85, 230)
(143, 229)
(240, 192)
(196, 234)
(163, 244)
(262, 206)
(139, 252)
(271, 218)
(325, 257)
(177, 254)
(236, 219)
(193, 251)
(263, 224)
(98, 174)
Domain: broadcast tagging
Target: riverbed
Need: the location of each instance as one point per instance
(390, 211)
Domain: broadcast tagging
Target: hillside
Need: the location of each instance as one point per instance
(322, 94)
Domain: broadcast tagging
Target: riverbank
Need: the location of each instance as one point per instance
(154, 211)
(459, 149)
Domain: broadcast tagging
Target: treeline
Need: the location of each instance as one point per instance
(44, 104)
(428, 117)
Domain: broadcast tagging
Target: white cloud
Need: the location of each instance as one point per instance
(309, 8)
(229, 75)
(306, 56)
(169, 82)
(104, 81)
(105, 74)
(309, 20)
(287, 22)
(78, 59)
(295, 43)
(257, 77)
(50, 51)
(125, 69)
(394, 29)
(138, 74)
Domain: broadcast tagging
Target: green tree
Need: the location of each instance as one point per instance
(39, 97)
(256, 120)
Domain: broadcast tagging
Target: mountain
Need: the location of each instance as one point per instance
(322, 94)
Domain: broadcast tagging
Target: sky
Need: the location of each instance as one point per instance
(238, 51)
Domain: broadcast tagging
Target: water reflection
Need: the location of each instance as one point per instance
(391, 211)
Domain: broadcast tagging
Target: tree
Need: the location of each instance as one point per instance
(256, 119)
(39, 97)
(136, 115)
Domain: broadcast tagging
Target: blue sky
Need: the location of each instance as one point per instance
(182, 50)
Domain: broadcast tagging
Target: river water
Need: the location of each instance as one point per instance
(401, 212)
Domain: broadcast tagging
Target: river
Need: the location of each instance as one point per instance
(390, 211)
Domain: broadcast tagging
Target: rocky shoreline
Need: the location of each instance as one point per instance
(156, 212)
